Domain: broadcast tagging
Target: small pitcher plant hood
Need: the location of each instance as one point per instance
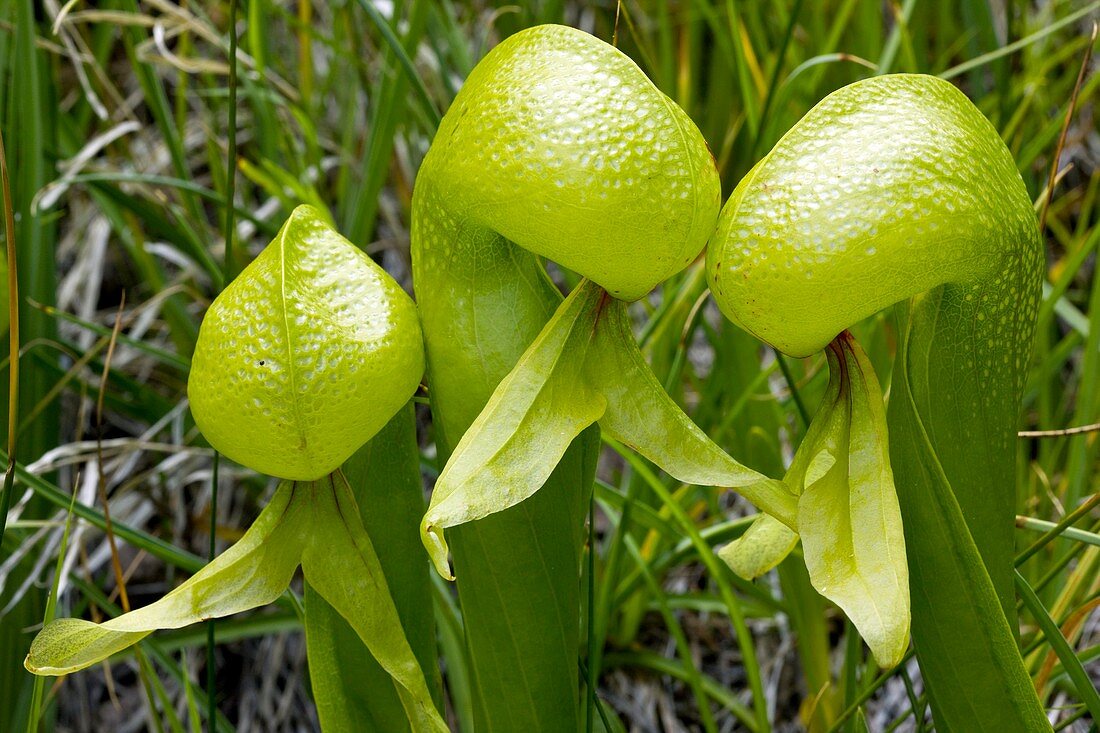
(305, 356)
(299, 362)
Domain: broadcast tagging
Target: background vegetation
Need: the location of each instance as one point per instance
(118, 123)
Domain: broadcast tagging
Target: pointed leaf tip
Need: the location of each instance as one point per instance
(765, 544)
(436, 545)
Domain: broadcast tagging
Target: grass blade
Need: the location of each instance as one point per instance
(1086, 691)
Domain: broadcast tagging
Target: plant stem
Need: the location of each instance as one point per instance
(229, 267)
(13, 341)
(1057, 529)
(592, 674)
(229, 270)
(211, 671)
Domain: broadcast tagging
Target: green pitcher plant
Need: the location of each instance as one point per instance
(896, 190)
(892, 190)
(301, 360)
(558, 146)
(596, 168)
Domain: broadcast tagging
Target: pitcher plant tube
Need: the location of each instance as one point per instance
(557, 146)
(896, 190)
(299, 362)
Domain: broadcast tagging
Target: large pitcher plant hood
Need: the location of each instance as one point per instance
(299, 362)
(558, 142)
(557, 146)
(897, 189)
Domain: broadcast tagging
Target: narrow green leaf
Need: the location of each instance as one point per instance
(1086, 690)
(403, 57)
(452, 652)
(284, 185)
(5, 307)
(193, 717)
(155, 546)
(1020, 44)
(156, 101)
(51, 607)
(389, 110)
(254, 572)
(693, 676)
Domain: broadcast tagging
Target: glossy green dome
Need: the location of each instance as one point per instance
(305, 356)
(887, 188)
(558, 142)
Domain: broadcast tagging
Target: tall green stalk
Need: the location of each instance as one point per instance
(482, 300)
(29, 134)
